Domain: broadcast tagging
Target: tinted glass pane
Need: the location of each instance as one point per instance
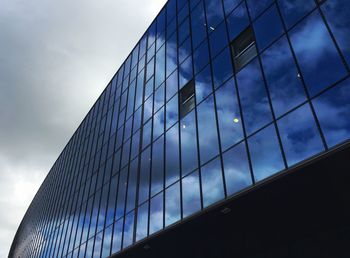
(265, 153)
(294, 10)
(333, 112)
(319, 60)
(185, 50)
(300, 136)
(254, 100)
(117, 236)
(256, 7)
(283, 79)
(123, 180)
(159, 98)
(157, 166)
(185, 72)
(191, 199)
(171, 85)
(156, 214)
(142, 222)
(144, 175)
(171, 54)
(147, 134)
(189, 160)
(236, 168)
(198, 25)
(172, 110)
(158, 124)
(172, 204)
(237, 21)
(268, 27)
(201, 57)
(172, 166)
(107, 242)
(222, 68)
(229, 118)
(132, 186)
(215, 13)
(184, 30)
(212, 183)
(230, 5)
(203, 84)
(337, 14)
(128, 230)
(218, 39)
(207, 131)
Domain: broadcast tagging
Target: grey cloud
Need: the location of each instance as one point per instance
(55, 59)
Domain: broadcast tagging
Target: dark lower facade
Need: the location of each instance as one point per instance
(224, 133)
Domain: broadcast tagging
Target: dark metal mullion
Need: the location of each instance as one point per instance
(196, 117)
(303, 81)
(268, 94)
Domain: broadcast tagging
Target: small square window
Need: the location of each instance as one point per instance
(187, 99)
(244, 49)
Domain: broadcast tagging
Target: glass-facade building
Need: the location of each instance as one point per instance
(216, 97)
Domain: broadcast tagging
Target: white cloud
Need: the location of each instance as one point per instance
(56, 57)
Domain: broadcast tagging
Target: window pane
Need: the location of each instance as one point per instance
(142, 222)
(268, 27)
(144, 175)
(172, 155)
(256, 7)
(218, 39)
(212, 183)
(198, 25)
(230, 5)
(201, 57)
(172, 113)
(254, 100)
(132, 186)
(189, 160)
(333, 111)
(222, 68)
(123, 180)
(236, 167)
(172, 204)
(285, 86)
(318, 58)
(128, 230)
(107, 242)
(207, 131)
(158, 124)
(171, 56)
(156, 214)
(147, 133)
(117, 236)
(157, 166)
(294, 10)
(203, 84)
(191, 199)
(237, 21)
(159, 98)
(230, 122)
(300, 136)
(185, 50)
(215, 13)
(185, 72)
(171, 85)
(337, 14)
(265, 153)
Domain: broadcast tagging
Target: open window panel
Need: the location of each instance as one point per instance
(187, 99)
(243, 48)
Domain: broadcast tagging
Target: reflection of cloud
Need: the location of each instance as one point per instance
(172, 204)
(191, 194)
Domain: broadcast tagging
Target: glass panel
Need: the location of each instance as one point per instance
(191, 200)
(160, 67)
(147, 134)
(222, 68)
(156, 214)
(201, 57)
(185, 50)
(157, 166)
(283, 79)
(144, 175)
(172, 204)
(268, 27)
(142, 222)
(184, 30)
(185, 72)
(236, 167)
(212, 184)
(172, 110)
(230, 5)
(123, 181)
(132, 186)
(171, 54)
(265, 153)
(294, 10)
(229, 118)
(171, 85)
(198, 23)
(218, 39)
(189, 160)
(237, 21)
(207, 130)
(256, 7)
(159, 98)
(300, 136)
(128, 230)
(148, 109)
(203, 83)
(215, 13)
(333, 111)
(117, 236)
(158, 124)
(337, 14)
(318, 58)
(254, 100)
(172, 155)
(107, 241)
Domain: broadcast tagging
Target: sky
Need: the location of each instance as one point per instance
(56, 57)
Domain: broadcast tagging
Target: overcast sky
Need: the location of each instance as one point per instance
(56, 57)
